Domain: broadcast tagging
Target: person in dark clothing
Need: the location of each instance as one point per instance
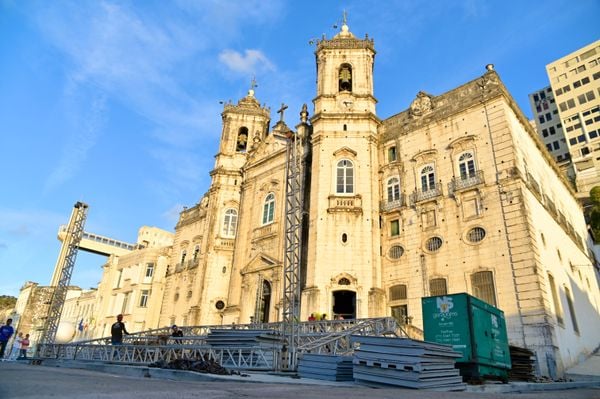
(176, 332)
(117, 330)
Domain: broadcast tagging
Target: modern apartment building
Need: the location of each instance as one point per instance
(575, 84)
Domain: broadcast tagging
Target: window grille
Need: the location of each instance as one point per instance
(483, 287)
(396, 252)
(476, 234)
(398, 292)
(437, 286)
(433, 244)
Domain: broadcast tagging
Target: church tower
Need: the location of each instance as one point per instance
(343, 268)
(242, 122)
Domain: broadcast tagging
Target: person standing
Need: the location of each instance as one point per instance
(6, 331)
(16, 348)
(117, 330)
(24, 347)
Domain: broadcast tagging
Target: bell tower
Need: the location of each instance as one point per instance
(343, 266)
(242, 122)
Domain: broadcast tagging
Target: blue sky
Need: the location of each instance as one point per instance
(116, 103)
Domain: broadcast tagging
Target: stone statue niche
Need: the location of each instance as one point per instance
(345, 78)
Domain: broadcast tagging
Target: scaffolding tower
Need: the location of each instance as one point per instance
(63, 270)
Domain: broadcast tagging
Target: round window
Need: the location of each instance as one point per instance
(344, 238)
(220, 305)
(433, 244)
(476, 234)
(396, 252)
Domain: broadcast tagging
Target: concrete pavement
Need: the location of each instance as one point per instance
(18, 380)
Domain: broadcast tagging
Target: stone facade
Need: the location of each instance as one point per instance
(454, 194)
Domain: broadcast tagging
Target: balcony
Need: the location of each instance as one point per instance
(427, 195)
(338, 203)
(387, 206)
(265, 231)
(466, 182)
(225, 243)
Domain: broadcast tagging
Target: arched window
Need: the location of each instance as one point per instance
(466, 165)
(345, 77)
(427, 178)
(196, 252)
(483, 287)
(393, 189)
(183, 255)
(269, 209)
(230, 223)
(242, 139)
(345, 177)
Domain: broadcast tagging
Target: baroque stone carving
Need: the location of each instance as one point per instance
(421, 105)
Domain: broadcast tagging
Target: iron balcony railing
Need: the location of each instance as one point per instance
(425, 195)
(388, 205)
(465, 182)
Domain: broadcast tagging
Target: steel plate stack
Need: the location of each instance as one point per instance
(325, 367)
(522, 364)
(404, 362)
(243, 338)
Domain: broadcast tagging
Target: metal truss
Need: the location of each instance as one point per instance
(64, 269)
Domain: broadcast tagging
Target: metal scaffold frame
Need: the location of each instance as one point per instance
(293, 234)
(63, 270)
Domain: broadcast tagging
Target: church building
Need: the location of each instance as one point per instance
(454, 194)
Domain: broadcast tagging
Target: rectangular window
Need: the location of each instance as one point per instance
(585, 151)
(395, 228)
(538, 108)
(144, 298)
(555, 145)
(571, 103)
(558, 92)
(483, 287)
(566, 89)
(437, 286)
(581, 138)
(562, 106)
(552, 130)
(549, 147)
(149, 270)
(541, 118)
(548, 116)
(571, 310)
(593, 134)
(398, 292)
(555, 301)
(536, 98)
(124, 308)
(589, 121)
(573, 141)
(545, 132)
(596, 76)
(581, 99)
(391, 154)
(585, 81)
(576, 84)
(590, 95)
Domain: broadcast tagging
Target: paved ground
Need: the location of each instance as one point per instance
(27, 381)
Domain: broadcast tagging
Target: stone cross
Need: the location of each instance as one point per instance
(281, 110)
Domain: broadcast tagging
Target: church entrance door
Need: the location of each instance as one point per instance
(344, 304)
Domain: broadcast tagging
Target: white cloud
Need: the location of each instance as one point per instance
(251, 62)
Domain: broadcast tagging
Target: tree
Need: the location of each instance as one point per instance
(7, 302)
(594, 213)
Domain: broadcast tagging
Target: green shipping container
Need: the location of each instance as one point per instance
(472, 327)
